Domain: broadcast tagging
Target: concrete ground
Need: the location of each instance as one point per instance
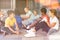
(40, 35)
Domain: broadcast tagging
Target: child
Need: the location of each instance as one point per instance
(40, 23)
(9, 24)
(35, 16)
(49, 27)
(27, 17)
(54, 22)
(1, 21)
(18, 18)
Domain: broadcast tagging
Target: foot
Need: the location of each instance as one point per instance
(30, 35)
(4, 33)
(17, 33)
(28, 27)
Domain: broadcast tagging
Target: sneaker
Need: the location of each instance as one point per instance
(28, 27)
(29, 31)
(30, 35)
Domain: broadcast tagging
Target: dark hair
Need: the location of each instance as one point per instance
(53, 11)
(27, 8)
(10, 12)
(0, 9)
(17, 12)
(35, 10)
(43, 10)
(59, 3)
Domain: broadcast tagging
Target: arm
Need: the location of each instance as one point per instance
(35, 22)
(8, 25)
(9, 28)
(51, 25)
(17, 29)
(25, 17)
(12, 30)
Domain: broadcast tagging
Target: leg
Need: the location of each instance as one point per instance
(52, 31)
(39, 25)
(42, 25)
(30, 33)
(5, 29)
(46, 28)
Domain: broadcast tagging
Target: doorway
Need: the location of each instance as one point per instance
(20, 5)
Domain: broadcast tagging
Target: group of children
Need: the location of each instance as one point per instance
(49, 24)
(32, 22)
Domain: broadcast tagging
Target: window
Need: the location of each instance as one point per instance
(7, 4)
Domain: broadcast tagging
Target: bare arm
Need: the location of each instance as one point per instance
(17, 28)
(35, 22)
(51, 25)
(17, 32)
(25, 17)
(10, 28)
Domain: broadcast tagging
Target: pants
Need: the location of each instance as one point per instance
(52, 31)
(42, 25)
(6, 29)
(27, 22)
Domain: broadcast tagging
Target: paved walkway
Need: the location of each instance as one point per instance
(40, 36)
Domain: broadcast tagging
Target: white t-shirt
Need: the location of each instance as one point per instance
(44, 19)
(54, 20)
(36, 17)
(29, 13)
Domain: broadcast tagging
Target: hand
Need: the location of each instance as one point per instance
(28, 27)
(17, 32)
(44, 19)
(17, 28)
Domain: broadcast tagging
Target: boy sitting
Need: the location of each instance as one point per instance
(10, 24)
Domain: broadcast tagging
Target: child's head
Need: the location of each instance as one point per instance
(11, 13)
(17, 12)
(35, 12)
(59, 3)
(1, 13)
(53, 12)
(43, 11)
(26, 9)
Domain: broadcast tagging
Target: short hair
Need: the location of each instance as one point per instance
(0, 9)
(17, 12)
(44, 10)
(53, 11)
(59, 3)
(10, 12)
(27, 8)
(35, 10)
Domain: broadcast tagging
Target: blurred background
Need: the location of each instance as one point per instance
(6, 5)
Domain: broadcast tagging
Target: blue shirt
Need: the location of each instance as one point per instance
(18, 20)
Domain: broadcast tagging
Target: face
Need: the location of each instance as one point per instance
(35, 13)
(50, 14)
(42, 13)
(26, 10)
(1, 14)
(12, 15)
